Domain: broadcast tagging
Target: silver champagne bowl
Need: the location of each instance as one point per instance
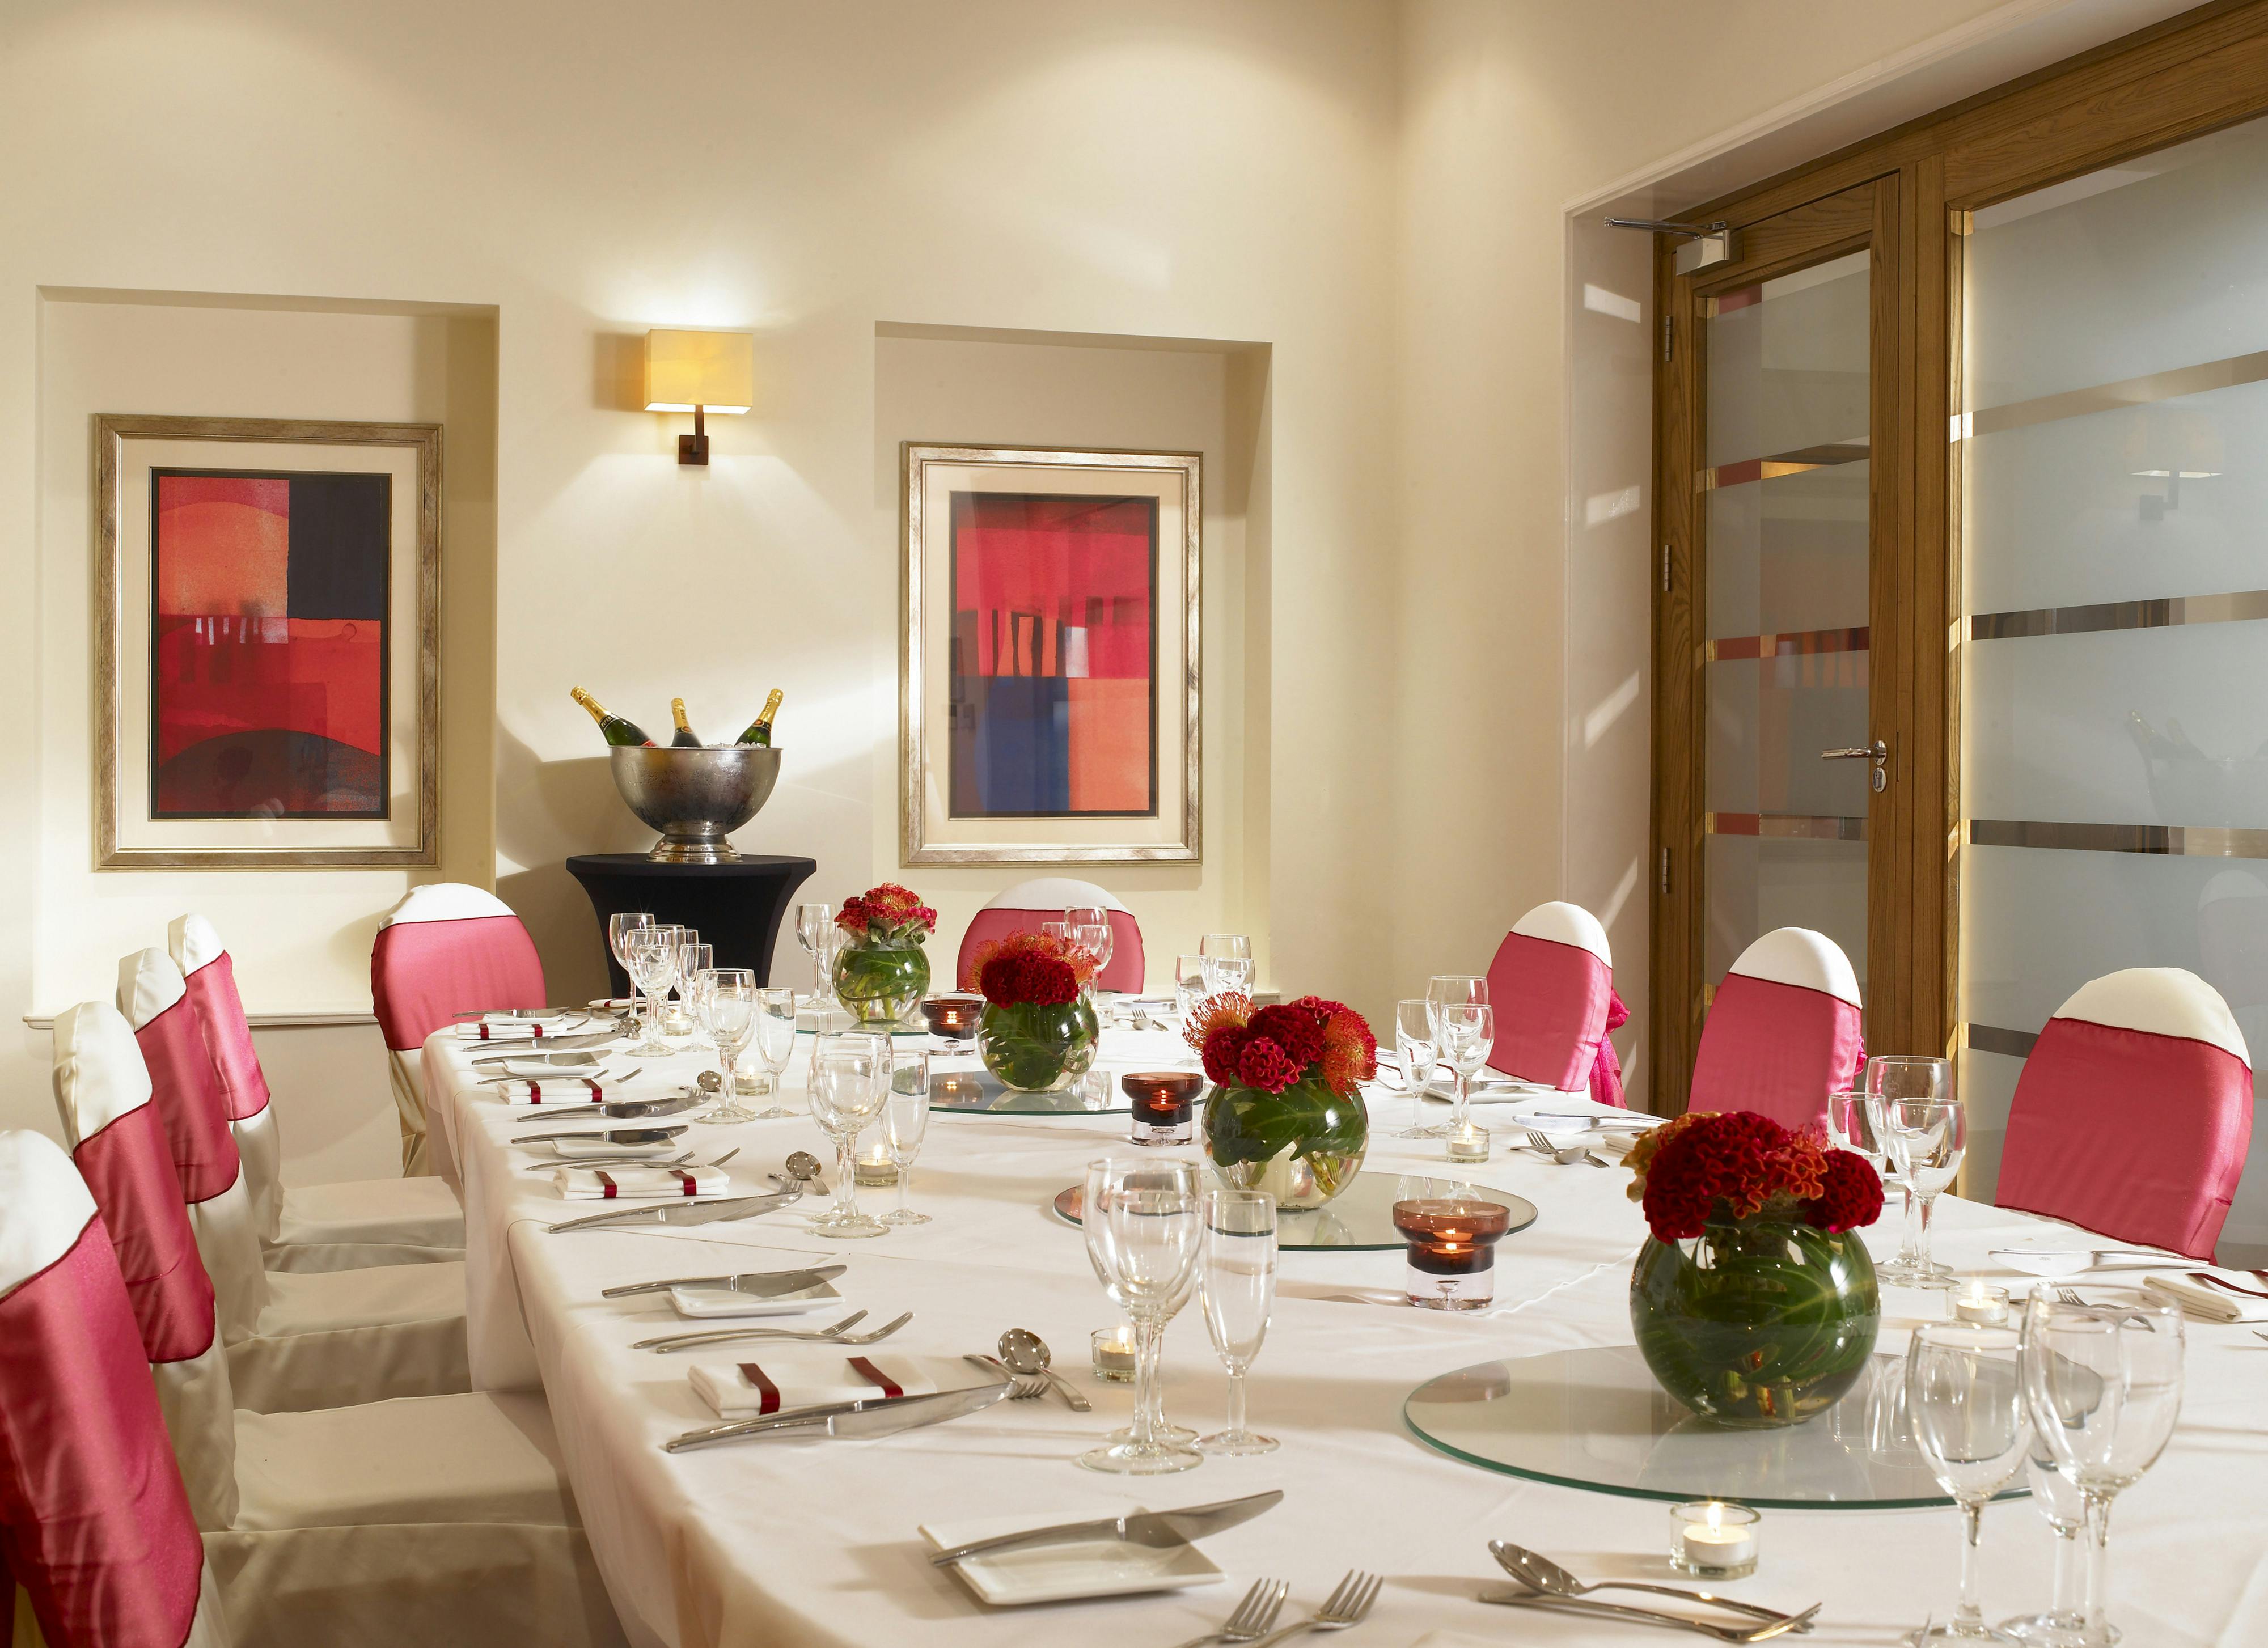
(695, 797)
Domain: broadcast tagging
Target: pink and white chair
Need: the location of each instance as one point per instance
(95, 1525)
(446, 949)
(1783, 1031)
(347, 1225)
(295, 1339)
(1553, 985)
(2134, 1112)
(1023, 906)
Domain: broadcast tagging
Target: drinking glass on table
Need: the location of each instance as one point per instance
(2061, 1624)
(2103, 1379)
(695, 962)
(816, 932)
(620, 926)
(1143, 1220)
(1227, 963)
(1414, 1042)
(653, 964)
(1965, 1399)
(1851, 1127)
(1237, 1287)
(1923, 1132)
(1088, 927)
(1468, 1032)
(775, 1045)
(850, 1085)
(905, 1119)
(1444, 987)
(1189, 986)
(729, 1008)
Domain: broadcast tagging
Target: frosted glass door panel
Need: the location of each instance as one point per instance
(1788, 555)
(1787, 364)
(1768, 718)
(1760, 882)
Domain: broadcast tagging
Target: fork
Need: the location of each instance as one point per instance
(1565, 1156)
(1349, 1605)
(827, 1336)
(1254, 1615)
(1021, 1386)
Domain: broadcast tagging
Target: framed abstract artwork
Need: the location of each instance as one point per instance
(268, 682)
(1051, 687)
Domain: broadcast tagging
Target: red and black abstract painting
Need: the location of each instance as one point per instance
(268, 678)
(1055, 705)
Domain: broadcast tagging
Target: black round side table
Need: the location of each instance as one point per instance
(735, 907)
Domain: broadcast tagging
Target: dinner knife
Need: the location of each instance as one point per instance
(1136, 1527)
(873, 1417)
(633, 1110)
(755, 1283)
(1551, 1603)
(612, 1136)
(678, 1212)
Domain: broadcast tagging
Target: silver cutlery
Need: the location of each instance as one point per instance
(1762, 1632)
(1349, 1605)
(557, 1060)
(594, 1076)
(755, 1283)
(611, 1136)
(733, 1335)
(2210, 1280)
(1023, 1386)
(1160, 1529)
(721, 1211)
(684, 1158)
(635, 1109)
(1253, 1617)
(2071, 1262)
(805, 1166)
(1539, 1573)
(878, 1416)
(1026, 1353)
(1566, 1155)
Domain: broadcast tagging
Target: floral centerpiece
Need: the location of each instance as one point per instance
(1753, 1302)
(1038, 1030)
(1285, 1113)
(881, 969)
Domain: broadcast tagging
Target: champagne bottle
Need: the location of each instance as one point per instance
(685, 738)
(760, 730)
(612, 727)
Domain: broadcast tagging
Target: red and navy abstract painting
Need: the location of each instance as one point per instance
(268, 678)
(1055, 701)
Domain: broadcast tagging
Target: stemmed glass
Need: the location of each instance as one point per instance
(1238, 1290)
(1189, 986)
(1415, 1041)
(905, 1118)
(850, 1085)
(1227, 963)
(2104, 1381)
(653, 964)
(2062, 1623)
(729, 1007)
(1468, 1032)
(1143, 1224)
(1089, 928)
(1444, 987)
(695, 962)
(1924, 1133)
(1965, 1399)
(775, 1044)
(1851, 1127)
(620, 926)
(816, 932)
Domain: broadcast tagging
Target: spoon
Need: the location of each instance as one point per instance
(805, 1166)
(1026, 1353)
(1539, 1573)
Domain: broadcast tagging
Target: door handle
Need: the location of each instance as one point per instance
(1878, 753)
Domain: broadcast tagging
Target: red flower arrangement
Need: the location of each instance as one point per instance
(1039, 968)
(1271, 1049)
(887, 914)
(1739, 1164)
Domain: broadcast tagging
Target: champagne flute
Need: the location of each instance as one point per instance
(687, 939)
(905, 1119)
(775, 1044)
(1415, 1041)
(729, 1005)
(1468, 1032)
(1238, 1289)
(1965, 1399)
(1924, 1133)
(850, 1085)
(620, 926)
(695, 962)
(1143, 1225)
(815, 931)
(2103, 1379)
(1218, 948)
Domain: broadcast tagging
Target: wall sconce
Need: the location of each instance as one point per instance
(699, 372)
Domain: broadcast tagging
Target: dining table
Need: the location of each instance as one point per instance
(816, 1541)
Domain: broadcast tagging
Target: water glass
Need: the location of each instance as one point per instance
(2103, 1379)
(1444, 987)
(1188, 983)
(1227, 963)
(1144, 1222)
(1851, 1127)
(905, 1119)
(775, 1045)
(693, 962)
(653, 964)
(729, 1011)
(1415, 1041)
(816, 932)
(850, 1085)
(1468, 1032)
(1965, 1401)
(1238, 1290)
(1090, 929)
(1924, 1133)
(620, 926)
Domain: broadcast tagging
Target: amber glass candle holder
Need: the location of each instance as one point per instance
(1451, 1250)
(953, 1017)
(1165, 1105)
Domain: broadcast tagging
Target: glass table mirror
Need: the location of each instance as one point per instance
(1361, 1217)
(978, 1091)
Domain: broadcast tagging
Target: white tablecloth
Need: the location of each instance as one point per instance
(815, 1543)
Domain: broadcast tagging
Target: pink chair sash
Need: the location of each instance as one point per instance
(1777, 1050)
(130, 1171)
(424, 973)
(1123, 972)
(1607, 1072)
(1553, 1002)
(94, 1522)
(2139, 1137)
(187, 1096)
(228, 1037)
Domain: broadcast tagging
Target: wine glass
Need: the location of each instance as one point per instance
(1924, 1133)
(729, 1006)
(1851, 1127)
(2103, 1379)
(1965, 1399)
(775, 1044)
(815, 931)
(1414, 1040)
(905, 1118)
(1188, 984)
(620, 926)
(1237, 1287)
(1444, 987)
(653, 966)
(1468, 1032)
(1143, 1222)
(694, 964)
(2062, 1623)
(1227, 963)
(850, 1085)
(1089, 928)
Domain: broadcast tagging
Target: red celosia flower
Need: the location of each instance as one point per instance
(886, 911)
(1262, 1064)
(1851, 1196)
(1220, 1051)
(1027, 966)
(1294, 1029)
(1735, 1165)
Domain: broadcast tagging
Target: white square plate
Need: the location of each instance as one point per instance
(1060, 1573)
(702, 1304)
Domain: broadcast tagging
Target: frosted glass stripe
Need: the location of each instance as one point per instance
(2238, 608)
(1786, 826)
(2142, 391)
(2169, 841)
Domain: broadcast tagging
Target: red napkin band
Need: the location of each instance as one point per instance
(767, 1393)
(687, 1185)
(873, 1375)
(607, 1180)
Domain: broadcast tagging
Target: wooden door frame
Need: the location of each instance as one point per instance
(2176, 80)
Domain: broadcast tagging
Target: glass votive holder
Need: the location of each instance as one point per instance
(1468, 1145)
(1981, 1303)
(1114, 1354)
(1164, 1105)
(1714, 1538)
(1451, 1250)
(952, 1017)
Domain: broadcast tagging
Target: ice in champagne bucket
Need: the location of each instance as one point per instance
(695, 797)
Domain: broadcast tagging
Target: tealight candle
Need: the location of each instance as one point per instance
(873, 1157)
(1981, 1303)
(1452, 1249)
(1713, 1539)
(1164, 1104)
(1114, 1354)
(1470, 1146)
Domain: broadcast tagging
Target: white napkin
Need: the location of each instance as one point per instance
(2207, 1303)
(552, 1090)
(801, 1376)
(608, 1184)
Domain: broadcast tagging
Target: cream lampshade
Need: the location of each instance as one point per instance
(699, 372)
